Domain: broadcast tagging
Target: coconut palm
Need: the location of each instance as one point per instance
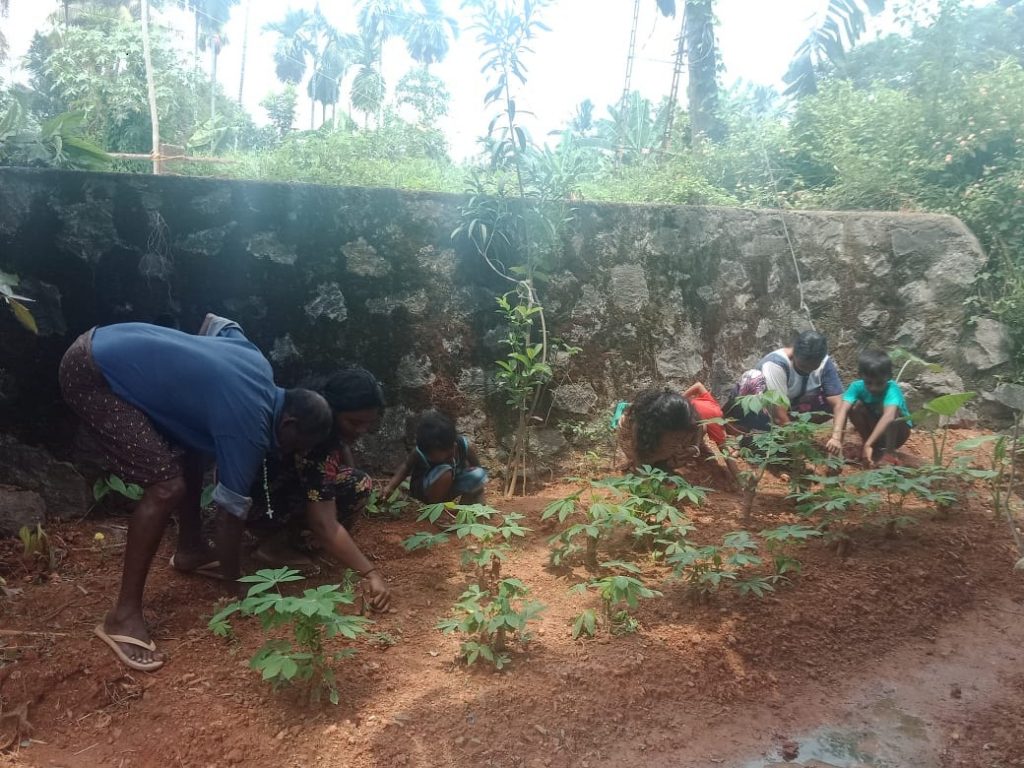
(842, 25)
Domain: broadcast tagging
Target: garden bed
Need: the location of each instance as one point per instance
(683, 690)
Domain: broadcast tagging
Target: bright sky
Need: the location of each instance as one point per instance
(584, 55)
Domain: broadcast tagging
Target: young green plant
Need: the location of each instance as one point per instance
(312, 617)
(620, 591)
(490, 619)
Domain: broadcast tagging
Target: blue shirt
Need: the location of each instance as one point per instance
(893, 395)
(211, 394)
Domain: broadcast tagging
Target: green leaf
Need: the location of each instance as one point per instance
(585, 624)
(948, 405)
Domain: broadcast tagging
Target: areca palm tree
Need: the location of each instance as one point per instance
(666, 8)
(428, 34)
(210, 18)
(368, 87)
(5, 8)
(308, 43)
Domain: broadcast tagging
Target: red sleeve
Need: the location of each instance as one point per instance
(706, 407)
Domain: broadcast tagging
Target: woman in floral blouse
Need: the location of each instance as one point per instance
(326, 486)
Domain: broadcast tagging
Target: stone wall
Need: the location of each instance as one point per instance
(320, 275)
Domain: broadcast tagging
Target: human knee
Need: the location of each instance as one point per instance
(168, 491)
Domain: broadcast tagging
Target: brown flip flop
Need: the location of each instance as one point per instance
(113, 640)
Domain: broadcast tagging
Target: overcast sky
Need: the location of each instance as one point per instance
(583, 56)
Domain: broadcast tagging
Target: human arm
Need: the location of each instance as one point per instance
(835, 443)
(322, 517)
(776, 380)
(471, 458)
(889, 415)
(695, 390)
(400, 474)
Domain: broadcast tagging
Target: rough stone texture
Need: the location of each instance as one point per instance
(318, 276)
(575, 398)
(65, 493)
(20, 508)
(990, 345)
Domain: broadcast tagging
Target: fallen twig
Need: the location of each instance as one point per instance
(20, 632)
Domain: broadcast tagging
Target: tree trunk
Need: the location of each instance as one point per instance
(245, 53)
(154, 118)
(702, 55)
(213, 82)
(195, 42)
(312, 112)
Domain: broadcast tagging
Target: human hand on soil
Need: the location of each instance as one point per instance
(378, 591)
(834, 446)
(869, 455)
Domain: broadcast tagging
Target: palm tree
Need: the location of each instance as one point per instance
(307, 42)
(702, 63)
(211, 16)
(5, 8)
(843, 24)
(428, 34)
(368, 87)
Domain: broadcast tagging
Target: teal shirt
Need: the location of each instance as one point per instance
(893, 395)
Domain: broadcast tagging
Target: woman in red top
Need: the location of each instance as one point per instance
(665, 429)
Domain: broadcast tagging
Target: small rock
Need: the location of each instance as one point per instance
(460, 740)
(279, 736)
(330, 729)
(955, 691)
(235, 756)
(790, 750)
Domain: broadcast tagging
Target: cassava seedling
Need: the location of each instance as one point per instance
(485, 531)
(641, 505)
(705, 568)
(777, 542)
(36, 547)
(615, 590)
(312, 617)
(491, 619)
(790, 448)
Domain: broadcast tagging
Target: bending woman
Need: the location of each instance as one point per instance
(665, 429)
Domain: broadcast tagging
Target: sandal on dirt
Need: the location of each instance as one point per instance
(210, 570)
(113, 640)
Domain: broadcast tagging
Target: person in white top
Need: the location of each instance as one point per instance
(803, 372)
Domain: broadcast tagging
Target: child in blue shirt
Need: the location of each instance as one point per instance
(875, 407)
(442, 467)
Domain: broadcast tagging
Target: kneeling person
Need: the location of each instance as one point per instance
(874, 404)
(443, 466)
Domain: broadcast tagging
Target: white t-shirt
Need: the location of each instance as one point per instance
(780, 376)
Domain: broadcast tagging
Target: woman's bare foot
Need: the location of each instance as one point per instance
(188, 560)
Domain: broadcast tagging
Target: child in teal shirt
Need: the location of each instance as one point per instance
(875, 407)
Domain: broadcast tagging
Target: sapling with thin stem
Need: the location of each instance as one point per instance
(491, 618)
(313, 618)
(615, 590)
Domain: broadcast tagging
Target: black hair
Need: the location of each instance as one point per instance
(313, 417)
(435, 432)
(810, 346)
(874, 364)
(353, 389)
(657, 411)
